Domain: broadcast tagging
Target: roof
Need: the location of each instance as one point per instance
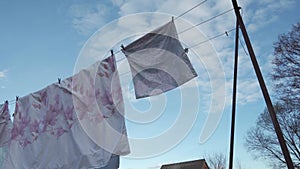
(196, 164)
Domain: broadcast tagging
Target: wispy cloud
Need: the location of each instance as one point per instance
(87, 18)
(3, 74)
(262, 13)
(117, 2)
(248, 91)
(137, 6)
(257, 13)
(216, 56)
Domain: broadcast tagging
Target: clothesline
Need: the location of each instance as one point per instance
(12, 101)
(191, 47)
(190, 9)
(210, 19)
(214, 37)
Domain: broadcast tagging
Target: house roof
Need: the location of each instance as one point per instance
(196, 164)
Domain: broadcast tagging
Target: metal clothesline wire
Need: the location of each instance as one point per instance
(203, 22)
(12, 101)
(190, 9)
(210, 19)
(196, 45)
(214, 37)
(243, 47)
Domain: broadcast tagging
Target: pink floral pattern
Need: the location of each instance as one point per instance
(54, 109)
(47, 131)
(5, 124)
(4, 113)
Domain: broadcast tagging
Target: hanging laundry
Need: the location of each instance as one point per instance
(158, 62)
(5, 124)
(55, 128)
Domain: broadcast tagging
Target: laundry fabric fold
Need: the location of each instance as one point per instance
(5, 124)
(158, 62)
(77, 123)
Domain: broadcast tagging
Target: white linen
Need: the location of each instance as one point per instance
(5, 124)
(76, 124)
(158, 62)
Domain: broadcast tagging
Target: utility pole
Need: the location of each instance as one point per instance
(236, 54)
(263, 87)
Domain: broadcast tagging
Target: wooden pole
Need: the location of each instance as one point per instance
(263, 87)
(231, 151)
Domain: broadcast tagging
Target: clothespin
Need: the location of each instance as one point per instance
(59, 79)
(112, 52)
(122, 46)
(226, 33)
(186, 50)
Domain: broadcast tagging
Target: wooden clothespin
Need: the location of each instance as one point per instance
(186, 50)
(111, 52)
(226, 33)
(122, 46)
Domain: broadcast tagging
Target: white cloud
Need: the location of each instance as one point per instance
(262, 13)
(3, 74)
(216, 56)
(117, 2)
(137, 6)
(88, 17)
(248, 91)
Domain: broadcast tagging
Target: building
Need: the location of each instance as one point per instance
(196, 164)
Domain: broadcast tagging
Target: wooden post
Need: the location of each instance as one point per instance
(236, 53)
(263, 87)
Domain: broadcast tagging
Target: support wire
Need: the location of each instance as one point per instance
(190, 9)
(214, 37)
(214, 17)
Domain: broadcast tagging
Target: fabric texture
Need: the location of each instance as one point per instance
(78, 123)
(5, 124)
(158, 62)
(113, 163)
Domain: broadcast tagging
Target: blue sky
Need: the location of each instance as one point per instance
(45, 40)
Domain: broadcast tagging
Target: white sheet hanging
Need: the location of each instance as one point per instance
(76, 124)
(158, 62)
(5, 124)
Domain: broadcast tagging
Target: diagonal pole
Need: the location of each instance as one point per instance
(264, 89)
(236, 53)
